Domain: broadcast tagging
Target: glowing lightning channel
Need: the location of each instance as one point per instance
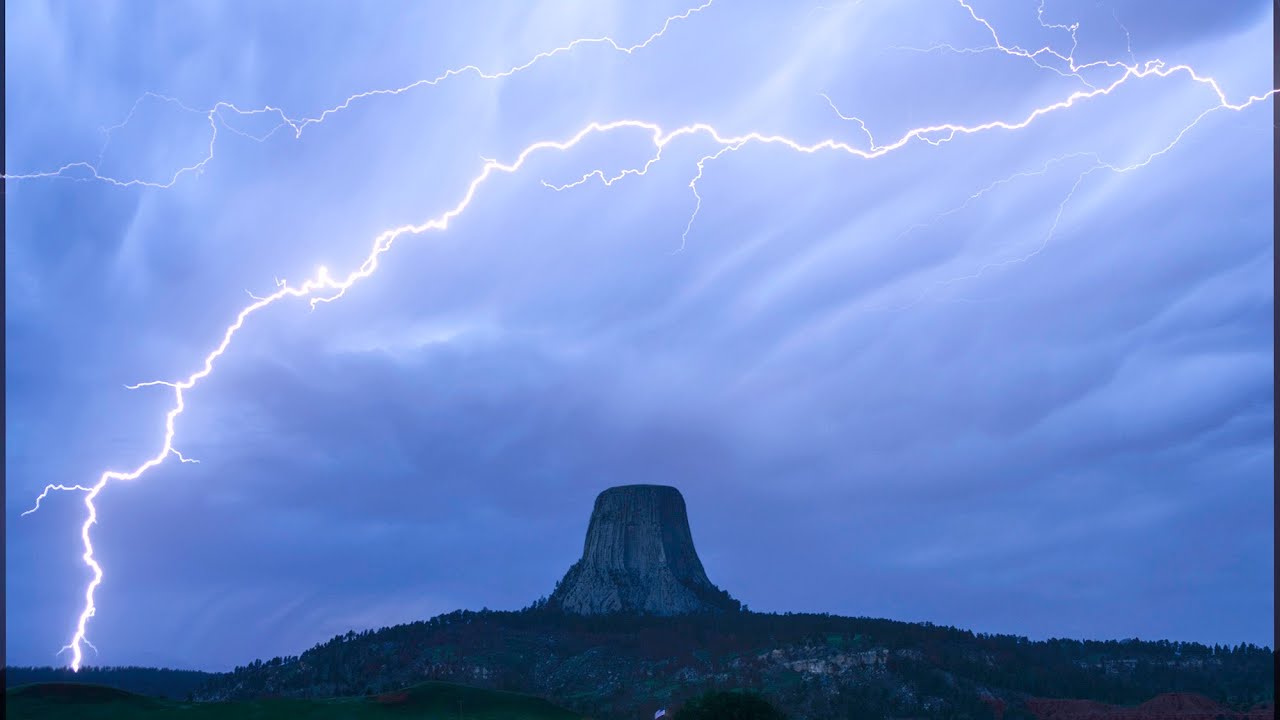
(49, 488)
(325, 288)
(693, 186)
(214, 117)
(1073, 70)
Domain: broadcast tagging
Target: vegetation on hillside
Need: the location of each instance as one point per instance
(66, 701)
(809, 665)
(729, 705)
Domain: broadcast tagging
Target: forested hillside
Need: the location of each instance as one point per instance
(811, 665)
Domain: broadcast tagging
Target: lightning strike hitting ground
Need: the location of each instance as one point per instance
(325, 288)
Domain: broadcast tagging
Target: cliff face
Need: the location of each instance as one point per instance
(639, 558)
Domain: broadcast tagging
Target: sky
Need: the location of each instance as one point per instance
(1020, 381)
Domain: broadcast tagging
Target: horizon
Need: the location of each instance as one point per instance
(1016, 380)
(91, 667)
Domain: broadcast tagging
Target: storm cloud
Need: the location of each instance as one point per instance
(893, 387)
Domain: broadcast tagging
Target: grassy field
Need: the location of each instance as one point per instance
(439, 701)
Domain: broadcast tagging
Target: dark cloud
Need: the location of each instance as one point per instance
(904, 387)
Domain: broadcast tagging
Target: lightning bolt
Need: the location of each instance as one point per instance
(214, 114)
(326, 288)
(693, 186)
(50, 488)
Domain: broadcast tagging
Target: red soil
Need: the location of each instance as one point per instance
(1170, 706)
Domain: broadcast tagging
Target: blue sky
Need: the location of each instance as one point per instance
(983, 382)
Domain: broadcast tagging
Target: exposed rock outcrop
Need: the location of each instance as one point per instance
(639, 558)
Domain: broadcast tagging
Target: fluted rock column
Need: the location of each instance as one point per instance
(639, 557)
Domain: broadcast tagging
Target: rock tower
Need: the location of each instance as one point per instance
(639, 558)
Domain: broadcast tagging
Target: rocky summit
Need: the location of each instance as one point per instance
(639, 558)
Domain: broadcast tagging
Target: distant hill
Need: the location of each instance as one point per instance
(812, 666)
(152, 682)
(75, 701)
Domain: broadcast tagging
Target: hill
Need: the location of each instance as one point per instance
(78, 701)
(813, 666)
(152, 682)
